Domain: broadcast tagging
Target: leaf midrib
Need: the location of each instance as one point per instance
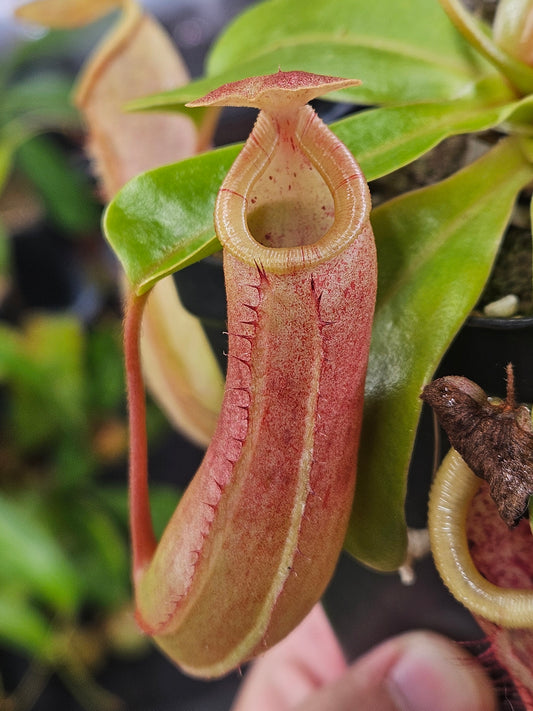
(386, 46)
(433, 246)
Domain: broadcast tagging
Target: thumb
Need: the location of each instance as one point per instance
(418, 671)
(307, 659)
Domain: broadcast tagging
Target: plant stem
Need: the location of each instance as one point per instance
(142, 532)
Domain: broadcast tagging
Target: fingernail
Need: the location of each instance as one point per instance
(434, 675)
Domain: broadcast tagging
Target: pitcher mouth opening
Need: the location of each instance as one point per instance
(290, 204)
(294, 198)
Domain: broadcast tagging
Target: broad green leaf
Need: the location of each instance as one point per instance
(520, 118)
(22, 626)
(435, 250)
(32, 559)
(402, 51)
(162, 220)
(388, 138)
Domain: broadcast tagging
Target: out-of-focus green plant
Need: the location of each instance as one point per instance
(37, 125)
(35, 86)
(63, 532)
(32, 102)
(64, 544)
(434, 71)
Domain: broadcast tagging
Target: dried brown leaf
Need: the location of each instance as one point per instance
(494, 438)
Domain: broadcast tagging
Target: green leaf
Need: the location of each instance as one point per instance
(435, 251)
(520, 119)
(402, 51)
(162, 220)
(32, 559)
(56, 343)
(72, 458)
(388, 138)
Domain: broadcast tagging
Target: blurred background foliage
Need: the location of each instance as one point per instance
(64, 550)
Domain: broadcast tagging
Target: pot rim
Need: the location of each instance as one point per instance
(503, 324)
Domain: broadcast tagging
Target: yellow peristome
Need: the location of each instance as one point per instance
(451, 495)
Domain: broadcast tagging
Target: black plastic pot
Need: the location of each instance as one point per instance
(202, 293)
(485, 346)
